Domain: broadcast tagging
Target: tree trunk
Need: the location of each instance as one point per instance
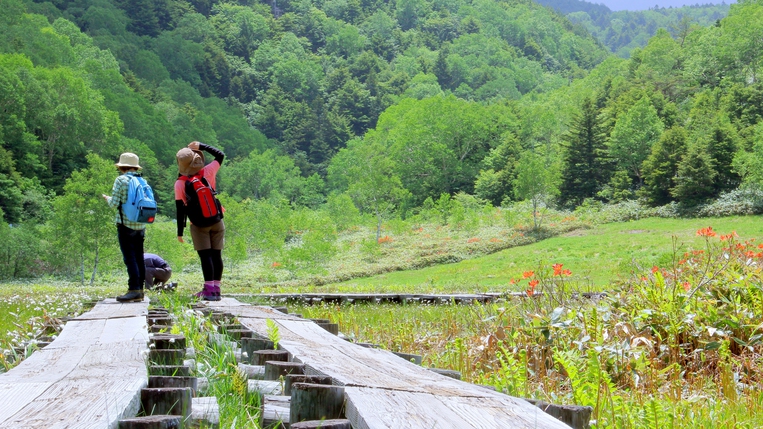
(378, 225)
(95, 264)
(82, 268)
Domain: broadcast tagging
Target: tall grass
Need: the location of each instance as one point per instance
(672, 345)
(216, 362)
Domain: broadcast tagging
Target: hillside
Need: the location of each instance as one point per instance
(622, 31)
(337, 116)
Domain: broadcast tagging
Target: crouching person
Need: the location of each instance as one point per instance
(158, 271)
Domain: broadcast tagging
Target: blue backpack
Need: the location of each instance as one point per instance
(140, 205)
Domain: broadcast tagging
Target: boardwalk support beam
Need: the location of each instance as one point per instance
(315, 402)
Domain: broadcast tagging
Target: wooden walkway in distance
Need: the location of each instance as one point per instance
(89, 377)
(385, 391)
(398, 298)
(376, 298)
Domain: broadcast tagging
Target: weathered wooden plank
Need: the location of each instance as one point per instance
(498, 410)
(110, 308)
(15, 396)
(89, 377)
(360, 366)
(86, 403)
(384, 391)
(230, 305)
(384, 297)
(376, 409)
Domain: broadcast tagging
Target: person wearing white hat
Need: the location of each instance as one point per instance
(130, 234)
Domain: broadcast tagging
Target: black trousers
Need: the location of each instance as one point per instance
(131, 245)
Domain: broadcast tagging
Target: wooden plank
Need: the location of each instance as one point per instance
(238, 309)
(385, 391)
(110, 308)
(376, 409)
(383, 297)
(360, 366)
(89, 377)
(15, 396)
(88, 403)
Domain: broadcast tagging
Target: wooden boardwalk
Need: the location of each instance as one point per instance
(89, 377)
(376, 298)
(385, 391)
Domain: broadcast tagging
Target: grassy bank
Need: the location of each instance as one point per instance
(597, 256)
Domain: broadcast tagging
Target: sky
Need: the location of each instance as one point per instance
(646, 4)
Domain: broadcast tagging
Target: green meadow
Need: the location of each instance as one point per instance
(597, 256)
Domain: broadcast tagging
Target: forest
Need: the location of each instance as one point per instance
(623, 31)
(385, 109)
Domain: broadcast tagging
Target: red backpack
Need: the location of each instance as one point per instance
(202, 206)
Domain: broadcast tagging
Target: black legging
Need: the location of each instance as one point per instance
(211, 264)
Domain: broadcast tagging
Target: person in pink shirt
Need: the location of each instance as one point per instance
(207, 233)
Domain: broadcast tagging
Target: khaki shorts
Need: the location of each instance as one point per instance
(210, 237)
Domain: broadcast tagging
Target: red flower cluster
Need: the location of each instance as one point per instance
(558, 271)
(531, 290)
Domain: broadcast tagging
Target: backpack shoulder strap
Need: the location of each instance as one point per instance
(129, 182)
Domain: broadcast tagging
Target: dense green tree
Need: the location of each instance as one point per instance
(365, 172)
(438, 143)
(379, 29)
(143, 18)
(409, 12)
(354, 101)
(20, 250)
(495, 180)
(265, 175)
(661, 167)
(182, 58)
(740, 46)
(68, 118)
(749, 163)
(346, 42)
(240, 28)
(721, 146)
(585, 164)
(633, 136)
(695, 182)
(537, 181)
(83, 222)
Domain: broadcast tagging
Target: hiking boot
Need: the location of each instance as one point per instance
(131, 296)
(216, 292)
(207, 294)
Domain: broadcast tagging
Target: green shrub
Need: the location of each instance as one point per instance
(743, 201)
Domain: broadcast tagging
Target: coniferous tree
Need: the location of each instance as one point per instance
(721, 148)
(144, 21)
(661, 167)
(695, 182)
(585, 166)
(441, 68)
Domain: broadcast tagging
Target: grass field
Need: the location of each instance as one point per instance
(600, 255)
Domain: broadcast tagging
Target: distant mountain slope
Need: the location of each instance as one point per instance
(623, 31)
